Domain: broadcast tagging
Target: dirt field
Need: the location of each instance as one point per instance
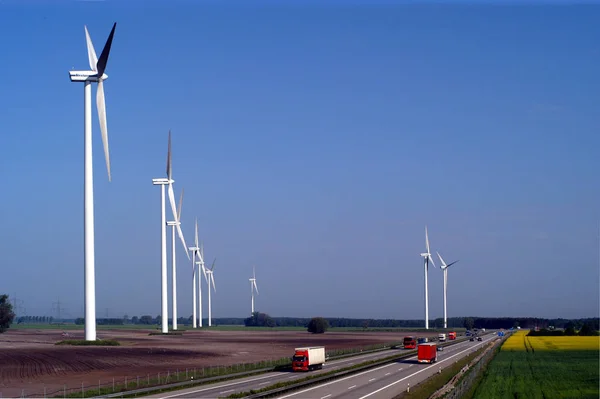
(29, 359)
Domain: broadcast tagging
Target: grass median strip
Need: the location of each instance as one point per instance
(322, 376)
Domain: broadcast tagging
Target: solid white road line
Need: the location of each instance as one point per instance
(372, 379)
(230, 390)
(345, 378)
(420, 371)
(263, 383)
(353, 386)
(326, 396)
(217, 387)
(388, 373)
(336, 381)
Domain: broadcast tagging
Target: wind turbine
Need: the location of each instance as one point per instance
(163, 235)
(200, 264)
(96, 74)
(193, 250)
(253, 287)
(444, 268)
(210, 278)
(175, 223)
(426, 258)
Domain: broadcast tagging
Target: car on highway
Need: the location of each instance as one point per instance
(472, 339)
(479, 339)
(440, 348)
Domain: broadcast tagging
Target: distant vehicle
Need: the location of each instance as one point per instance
(410, 342)
(472, 339)
(421, 340)
(468, 333)
(427, 352)
(440, 348)
(501, 333)
(483, 330)
(452, 335)
(442, 337)
(479, 339)
(308, 358)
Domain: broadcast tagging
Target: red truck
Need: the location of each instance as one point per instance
(427, 352)
(410, 342)
(308, 358)
(451, 335)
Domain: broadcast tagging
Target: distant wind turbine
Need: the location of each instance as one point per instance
(444, 268)
(253, 287)
(200, 264)
(162, 182)
(427, 257)
(194, 251)
(96, 74)
(175, 224)
(210, 279)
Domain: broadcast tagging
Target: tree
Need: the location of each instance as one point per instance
(587, 330)
(259, 320)
(80, 321)
(134, 320)
(570, 328)
(317, 325)
(469, 323)
(6, 313)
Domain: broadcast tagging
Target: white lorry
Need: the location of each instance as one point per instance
(442, 337)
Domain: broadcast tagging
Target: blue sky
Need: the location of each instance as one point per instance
(314, 142)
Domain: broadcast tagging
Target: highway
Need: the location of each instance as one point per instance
(227, 388)
(357, 383)
(389, 380)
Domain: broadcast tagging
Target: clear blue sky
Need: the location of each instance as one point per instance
(314, 142)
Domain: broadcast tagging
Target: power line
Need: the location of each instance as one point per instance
(56, 307)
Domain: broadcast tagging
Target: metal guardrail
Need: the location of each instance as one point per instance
(340, 374)
(224, 376)
(264, 370)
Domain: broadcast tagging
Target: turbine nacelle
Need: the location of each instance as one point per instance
(86, 76)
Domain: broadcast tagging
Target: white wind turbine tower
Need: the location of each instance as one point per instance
(200, 264)
(426, 258)
(175, 223)
(193, 251)
(162, 182)
(96, 74)
(444, 268)
(253, 287)
(210, 278)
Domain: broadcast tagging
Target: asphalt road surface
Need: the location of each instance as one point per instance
(388, 380)
(227, 388)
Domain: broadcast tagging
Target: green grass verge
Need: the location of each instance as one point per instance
(167, 333)
(541, 374)
(82, 342)
(428, 387)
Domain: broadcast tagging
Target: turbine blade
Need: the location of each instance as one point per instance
(213, 265)
(91, 52)
(431, 259)
(169, 157)
(255, 286)
(101, 105)
(452, 263)
(174, 210)
(204, 272)
(180, 205)
(196, 236)
(253, 272)
(212, 278)
(441, 260)
(101, 66)
(427, 239)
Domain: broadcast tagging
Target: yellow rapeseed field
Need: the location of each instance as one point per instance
(519, 341)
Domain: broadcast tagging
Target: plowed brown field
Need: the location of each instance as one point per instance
(30, 361)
